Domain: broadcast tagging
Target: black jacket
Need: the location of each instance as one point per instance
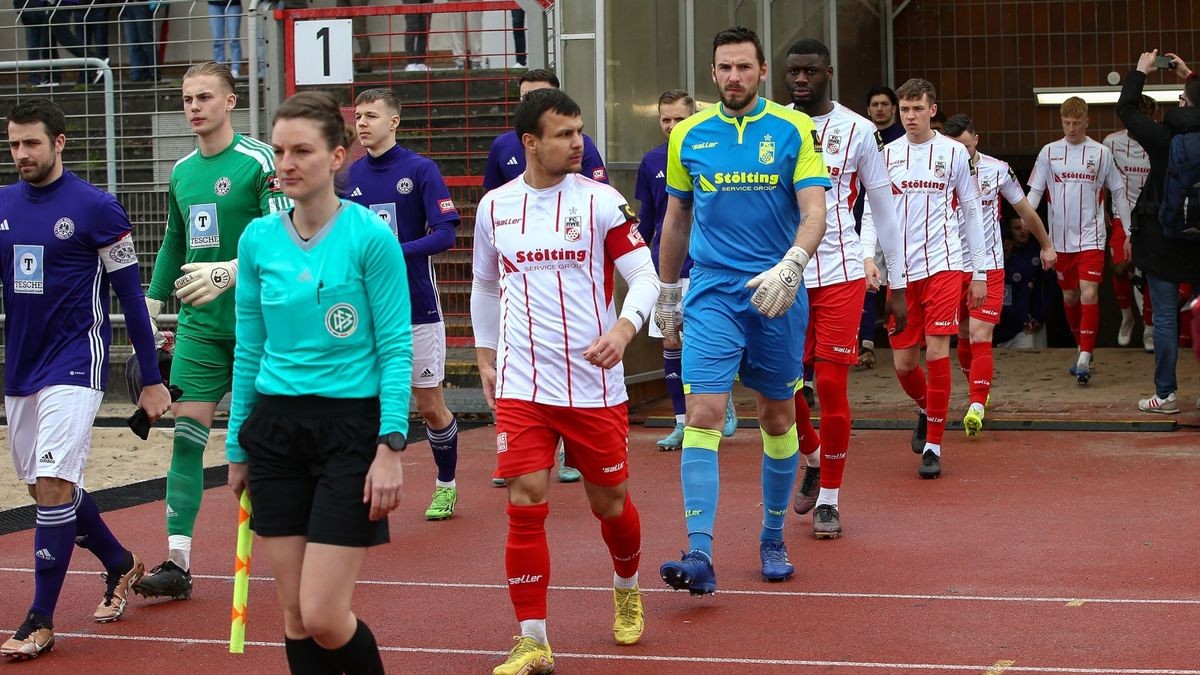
(1171, 259)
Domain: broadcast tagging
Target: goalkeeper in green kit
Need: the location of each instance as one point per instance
(215, 191)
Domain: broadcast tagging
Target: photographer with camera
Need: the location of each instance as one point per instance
(1167, 257)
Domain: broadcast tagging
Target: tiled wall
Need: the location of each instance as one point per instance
(986, 56)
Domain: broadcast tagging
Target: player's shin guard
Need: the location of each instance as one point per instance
(1123, 291)
(809, 439)
(92, 534)
(939, 398)
(1074, 314)
(185, 478)
(982, 369)
(964, 355)
(1089, 321)
(444, 444)
(913, 384)
(832, 379)
(305, 657)
(673, 372)
(53, 542)
(781, 456)
(701, 483)
(623, 535)
(527, 560)
(360, 655)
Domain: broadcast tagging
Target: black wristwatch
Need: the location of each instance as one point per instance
(394, 440)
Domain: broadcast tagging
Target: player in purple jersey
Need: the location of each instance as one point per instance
(62, 242)
(407, 191)
(506, 161)
(674, 106)
(506, 158)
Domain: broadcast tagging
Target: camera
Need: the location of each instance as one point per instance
(1164, 63)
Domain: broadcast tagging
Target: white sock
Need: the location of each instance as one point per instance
(936, 448)
(977, 406)
(869, 344)
(1085, 359)
(681, 419)
(625, 582)
(180, 550)
(828, 496)
(536, 629)
(813, 458)
(1127, 313)
(450, 484)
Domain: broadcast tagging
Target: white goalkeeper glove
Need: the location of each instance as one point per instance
(777, 287)
(202, 283)
(668, 311)
(154, 308)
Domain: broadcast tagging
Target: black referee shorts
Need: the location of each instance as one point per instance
(308, 458)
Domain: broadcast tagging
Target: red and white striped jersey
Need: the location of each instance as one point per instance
(553, 253)
(996, 179)
(1132, 161)
(852, 149)
(928, 180)
(1073, 177)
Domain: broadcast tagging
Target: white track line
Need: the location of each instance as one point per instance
(678, 659)
(756, 593)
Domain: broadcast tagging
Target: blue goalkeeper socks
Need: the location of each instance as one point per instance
(781, 457)
(444, 444)
(701, 484)
(53, 542)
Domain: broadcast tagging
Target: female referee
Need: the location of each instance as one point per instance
(321, 379)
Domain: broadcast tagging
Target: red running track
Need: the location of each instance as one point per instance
(1035, 552)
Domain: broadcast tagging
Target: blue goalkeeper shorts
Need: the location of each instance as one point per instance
(724, 336)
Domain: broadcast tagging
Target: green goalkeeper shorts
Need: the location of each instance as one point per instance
(202, 368)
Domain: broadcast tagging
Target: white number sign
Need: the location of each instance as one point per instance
(324, 52)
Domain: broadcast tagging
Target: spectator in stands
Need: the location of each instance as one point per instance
(362, 64)
(416, 37)
(466, 31)
(63, 20)
(518, 25)
(36, 19)
(225, 19)
(137, 24)
(95, 28)
(1023, 314)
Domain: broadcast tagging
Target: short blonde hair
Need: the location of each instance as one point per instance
(1074, 108)
(218, 70)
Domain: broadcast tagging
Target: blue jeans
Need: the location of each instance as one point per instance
(95, 31)
(37, 39)
(226, 24)
(1164, 295)
(137, 22)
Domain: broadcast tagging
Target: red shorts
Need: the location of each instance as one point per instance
(1081, 266)
(834, 313)
(933, 305)
(1116, 244)
(596, 440)
(992, 304)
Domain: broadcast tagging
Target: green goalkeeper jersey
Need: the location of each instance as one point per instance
(211, 201)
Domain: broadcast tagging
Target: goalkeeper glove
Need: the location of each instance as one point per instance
(777, 287)
(668, 311)
(202, 283)
(154, 308)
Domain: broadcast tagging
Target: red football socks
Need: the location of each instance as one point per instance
(982, 370)
(1089, 321)
(831, 382)
(527, 560)
(623, 535)
(1073, 312)
(939, 398)
(809, 440)
(964, 355)
(913, 384)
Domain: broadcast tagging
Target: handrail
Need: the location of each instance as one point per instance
(110, 124)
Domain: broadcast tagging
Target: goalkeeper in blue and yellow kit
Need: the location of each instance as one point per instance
(746, 185)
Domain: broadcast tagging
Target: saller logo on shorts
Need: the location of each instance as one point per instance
(341, 320)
